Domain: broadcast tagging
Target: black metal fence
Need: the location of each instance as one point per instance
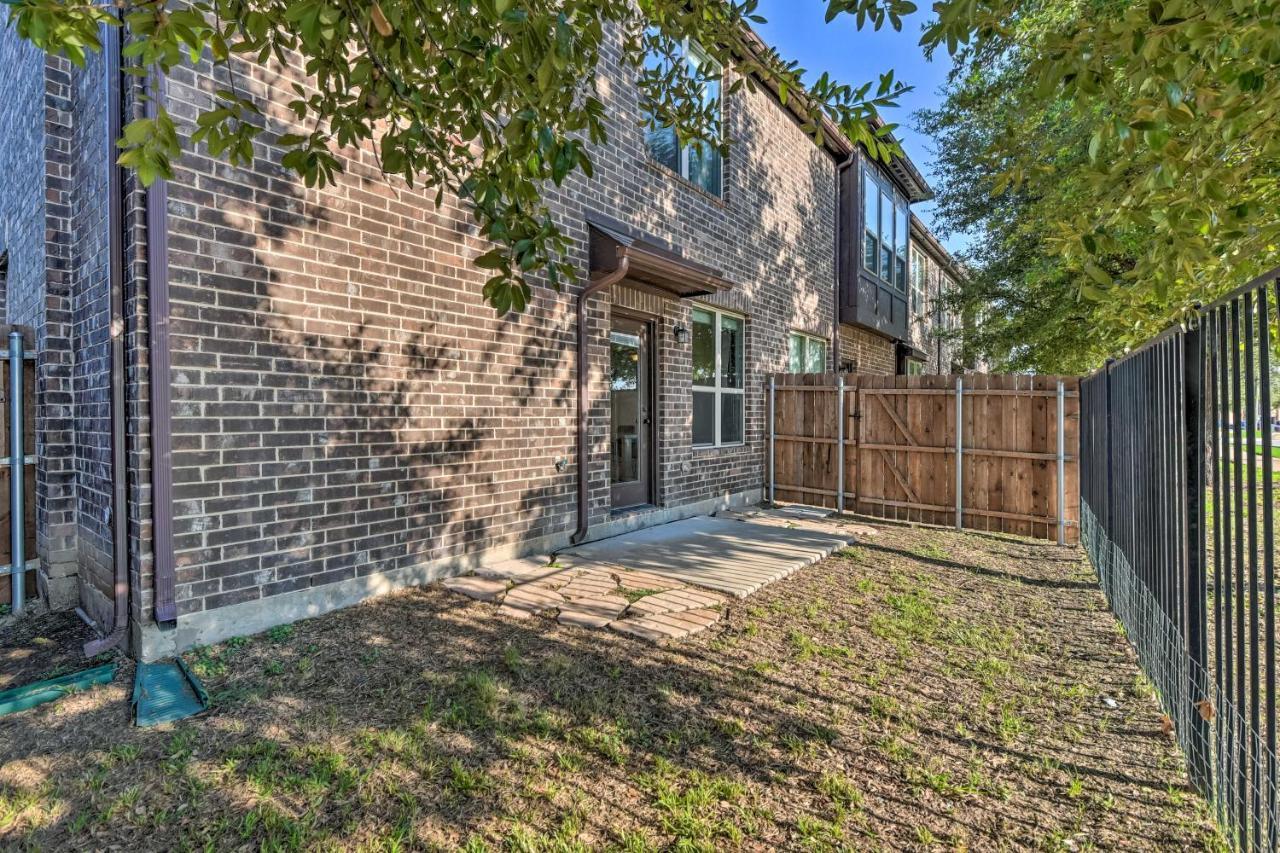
(1177, 513)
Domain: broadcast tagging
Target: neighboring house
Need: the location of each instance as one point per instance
(334, 411)
(936, 327)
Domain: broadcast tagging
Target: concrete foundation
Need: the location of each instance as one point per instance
(151, 642)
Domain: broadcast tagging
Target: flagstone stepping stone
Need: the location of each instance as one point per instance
(637, 628)
(481, 589)
(594, 612)
(675, 601)
(590, 585)
(532, 599)
(522, 570)
(667, 626)
(638, 580)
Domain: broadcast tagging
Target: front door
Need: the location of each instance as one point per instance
(631, 410)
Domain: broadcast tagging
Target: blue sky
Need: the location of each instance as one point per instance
(797, 29)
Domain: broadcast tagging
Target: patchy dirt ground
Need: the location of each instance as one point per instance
(922, 690)
(41, 646)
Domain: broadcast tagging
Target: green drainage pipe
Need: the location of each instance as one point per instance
(30, 695)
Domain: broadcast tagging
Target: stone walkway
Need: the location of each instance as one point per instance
(594, 595)
(662, 583)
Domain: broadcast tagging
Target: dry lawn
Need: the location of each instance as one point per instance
(923, 690)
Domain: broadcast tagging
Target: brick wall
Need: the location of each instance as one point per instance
(345, 404)
(35, 212)
(137, 378)
(53, 223)
(90, 342)
(867, 352)
(22, 98)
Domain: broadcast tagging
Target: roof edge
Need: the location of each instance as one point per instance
(834, 140)
(934, 245)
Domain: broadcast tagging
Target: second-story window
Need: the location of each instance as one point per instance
(697, 162)
(919, 280)
(884, 228)
(947, 319)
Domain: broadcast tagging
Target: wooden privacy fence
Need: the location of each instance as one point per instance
(888, 446)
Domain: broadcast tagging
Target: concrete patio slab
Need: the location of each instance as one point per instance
(733, 555)
(663, 583)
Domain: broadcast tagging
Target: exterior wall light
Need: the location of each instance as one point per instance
(681, 333)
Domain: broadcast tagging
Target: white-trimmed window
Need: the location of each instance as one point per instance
(919, 282)
(697, 162)
(946, 284)
(719, 354)
(806, 354)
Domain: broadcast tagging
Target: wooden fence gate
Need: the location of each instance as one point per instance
(886, 446)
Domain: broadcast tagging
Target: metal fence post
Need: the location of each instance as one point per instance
(17, 460)
(840, 444)
(959, 453)
(1062, 464)
(1193, 557)
(773, 415)
(1111, 516)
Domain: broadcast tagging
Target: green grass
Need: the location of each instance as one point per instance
(866, 702)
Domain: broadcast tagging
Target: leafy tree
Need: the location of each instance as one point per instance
(1020, 293)
(489, 99)
(1131, 155)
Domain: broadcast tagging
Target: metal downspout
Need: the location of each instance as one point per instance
(841, 168)
(115, 241)
(600, 284)
(160, 359)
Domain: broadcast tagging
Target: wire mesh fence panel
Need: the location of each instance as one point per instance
(1178, 444)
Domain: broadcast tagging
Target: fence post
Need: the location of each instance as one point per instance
(773, 416)
(17, 461)
(1111, 516)
(959, 453)
(1062, 464)
(1196, 588)
(840, 444)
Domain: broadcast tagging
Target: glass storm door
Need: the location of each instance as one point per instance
(630, 407)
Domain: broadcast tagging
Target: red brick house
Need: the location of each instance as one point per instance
(308, 402)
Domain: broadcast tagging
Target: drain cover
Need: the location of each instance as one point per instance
(166, 691)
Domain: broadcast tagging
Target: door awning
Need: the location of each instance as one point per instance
(652, 266)
(912, 352)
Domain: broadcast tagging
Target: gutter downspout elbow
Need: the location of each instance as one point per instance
(597, 286)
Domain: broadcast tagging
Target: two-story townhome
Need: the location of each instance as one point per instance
(258, 401)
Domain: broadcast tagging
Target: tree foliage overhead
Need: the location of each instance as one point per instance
(489, 99)
(1118, 161)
